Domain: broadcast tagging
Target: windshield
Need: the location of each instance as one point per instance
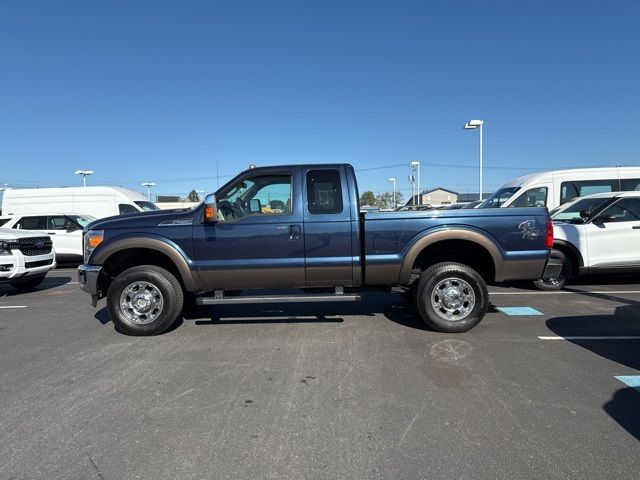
(499, 197)
(147, 206)
(82, 220)
(570, 212)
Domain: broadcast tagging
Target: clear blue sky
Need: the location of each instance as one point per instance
(160, 91)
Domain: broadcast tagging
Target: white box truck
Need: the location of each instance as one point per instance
(98, 202)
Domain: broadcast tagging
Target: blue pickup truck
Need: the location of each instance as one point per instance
(300, 227)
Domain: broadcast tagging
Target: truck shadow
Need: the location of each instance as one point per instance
(392, 306)
(7, 290)
(623, 322)
(623, 408)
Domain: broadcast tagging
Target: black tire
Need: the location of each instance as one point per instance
(155, 286)
(28, 283)
(558, 282)
(465, 287)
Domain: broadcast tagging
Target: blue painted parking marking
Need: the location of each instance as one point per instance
(632, 381)
(519, 311)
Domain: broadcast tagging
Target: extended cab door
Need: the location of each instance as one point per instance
(258, 241)
(613, 236)
(328, 226)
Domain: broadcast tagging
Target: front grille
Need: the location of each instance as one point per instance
(30, 247)
(40, 263)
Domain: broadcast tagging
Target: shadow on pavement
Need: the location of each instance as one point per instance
(7, 290)
(391, 306)
(624, 408)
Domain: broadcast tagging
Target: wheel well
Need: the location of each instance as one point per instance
(571, 255)
(133, 257)
(460, 251)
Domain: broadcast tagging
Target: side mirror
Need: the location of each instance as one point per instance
(210, 209)
(255, 206)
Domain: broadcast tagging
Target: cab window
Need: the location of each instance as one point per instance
(61, 223)
(534, 197)
(324, 192)
(125, 208)
(625, 210)
(260, 195)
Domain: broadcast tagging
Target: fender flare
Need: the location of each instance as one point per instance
(451, 233)
(185, 266)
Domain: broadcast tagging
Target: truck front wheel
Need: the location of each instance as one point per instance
(144, 300)
(451, 297)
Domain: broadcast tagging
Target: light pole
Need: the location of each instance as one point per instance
(148, 185)
(472, 125)
(395, 205)
(416, 166)
(85, 174)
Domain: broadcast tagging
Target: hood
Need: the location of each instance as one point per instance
(8, 234)
(143, 219)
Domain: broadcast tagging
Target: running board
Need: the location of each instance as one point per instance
(329, 297)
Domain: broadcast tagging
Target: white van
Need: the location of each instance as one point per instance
(552, 189)
(99, 202)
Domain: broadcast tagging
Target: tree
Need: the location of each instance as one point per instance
(384, 200)
(367, 198)
(193, 196)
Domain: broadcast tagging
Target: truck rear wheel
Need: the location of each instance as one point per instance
(144, 300)
(451, 297)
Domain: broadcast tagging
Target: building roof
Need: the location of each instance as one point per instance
(426, 192)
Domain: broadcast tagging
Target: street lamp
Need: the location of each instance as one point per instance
(416, 166)
(148, 185)
(395, 206)
(472, 125)
(85, 174)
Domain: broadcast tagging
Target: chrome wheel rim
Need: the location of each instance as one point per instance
(141, 302)
(453, 299)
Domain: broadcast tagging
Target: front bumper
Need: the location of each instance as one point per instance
(88, 280)
(16, 265)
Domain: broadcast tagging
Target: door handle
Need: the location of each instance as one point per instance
(636, 227)
(51, 233)
(294, 232)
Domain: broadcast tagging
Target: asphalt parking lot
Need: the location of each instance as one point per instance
(360, 391)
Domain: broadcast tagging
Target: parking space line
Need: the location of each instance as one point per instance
(599, 292)
(632, 381)
(520, 311)
(601, 337)
(13, 306)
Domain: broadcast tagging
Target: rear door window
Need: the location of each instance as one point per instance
(630, 184)
(32, 223)
(324, 192)
(581, 188)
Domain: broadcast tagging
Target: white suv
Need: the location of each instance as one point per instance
(594, 234)
(25, 258)
(65, 231)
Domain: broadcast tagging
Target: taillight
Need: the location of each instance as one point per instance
(549, 239)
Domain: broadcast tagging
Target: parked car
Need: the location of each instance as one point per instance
(25, 258)
(555, 188)
(64, 229)
(144, 264)
(410, 208)
(594, 234)
(99, 202)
